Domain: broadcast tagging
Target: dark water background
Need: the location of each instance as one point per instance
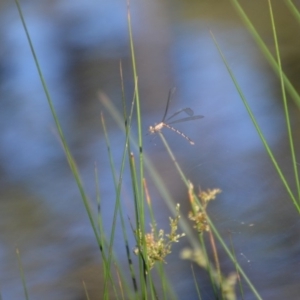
(79, 45)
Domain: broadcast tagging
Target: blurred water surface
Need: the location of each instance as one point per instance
(79, 45)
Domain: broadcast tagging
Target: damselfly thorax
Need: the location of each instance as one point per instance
(164, 123)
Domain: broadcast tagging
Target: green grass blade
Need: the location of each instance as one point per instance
(140, 137)
(70, 159)
(135, 184)
(196, 283)
(138, 110)
(104, 246)
(293, 9)
(143, 256)
(22, 274)
(117, 204)
(266, 51)
(102, 236)
(288, 123)
(267, 148)
(237, 271)
(214, 230)
(41, 75)
(112, 166)
(108, 146)
(85, 290)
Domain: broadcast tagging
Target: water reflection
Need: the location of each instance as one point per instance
(79, 46)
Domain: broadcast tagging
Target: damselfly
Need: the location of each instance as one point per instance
(158, 127)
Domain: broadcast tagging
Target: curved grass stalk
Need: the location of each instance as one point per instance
(22, 274)
(276, 65)
(138, 106)
(117, 209)
(70, 159)
(268, 55)
(267, 148)
(215, 231)
(287, 117)
(293, 9)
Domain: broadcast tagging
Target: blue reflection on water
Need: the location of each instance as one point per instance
(53, 231)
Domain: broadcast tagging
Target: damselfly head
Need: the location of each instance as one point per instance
(151, 129)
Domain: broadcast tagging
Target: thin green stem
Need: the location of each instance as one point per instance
(111, 254)
(70, 159)
(118, 195)
(266, 51)
(267, 148)
(22, 274)
(85, 290)
(286, 111)
(138, 107)
(214, 230)
(293, 9)
(196, 283)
